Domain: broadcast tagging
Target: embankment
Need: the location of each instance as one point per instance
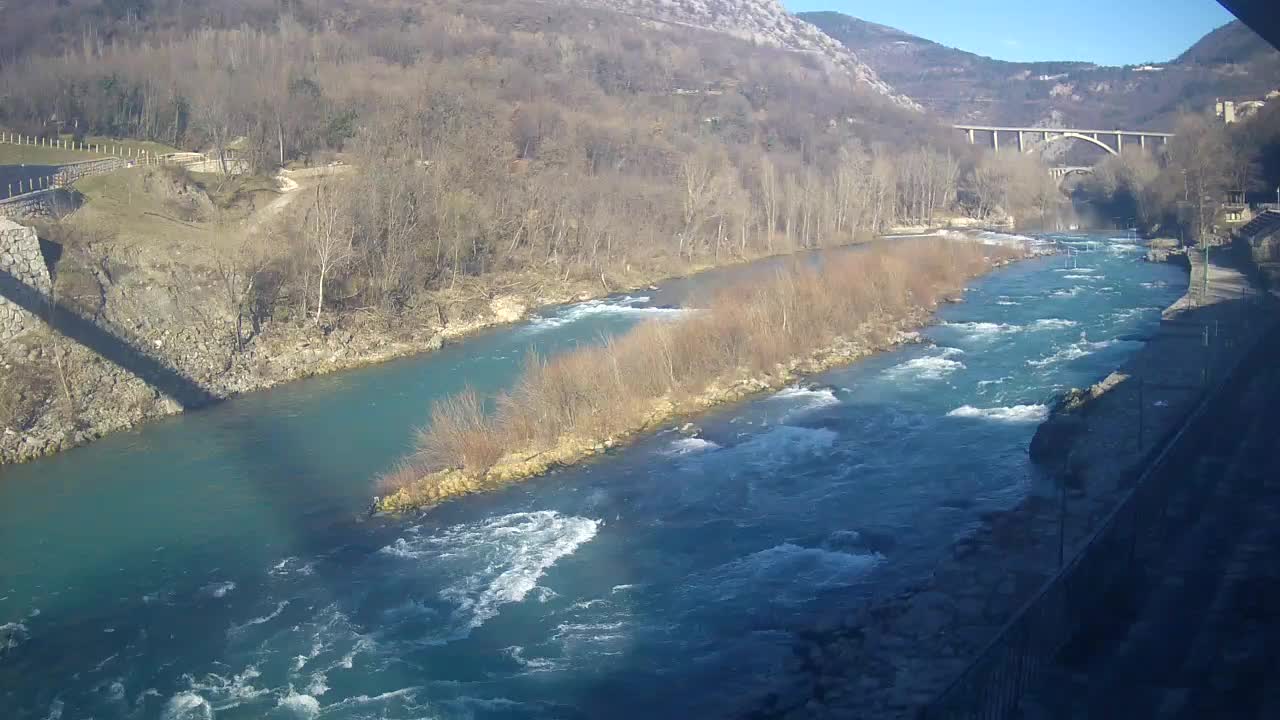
(170, 305)
(56, 394)
(749, 339)
(889, 659)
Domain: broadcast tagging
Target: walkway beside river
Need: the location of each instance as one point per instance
(1194, 632)
(888, 660)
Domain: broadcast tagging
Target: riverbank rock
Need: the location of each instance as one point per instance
(1051, 445)
(507, 309)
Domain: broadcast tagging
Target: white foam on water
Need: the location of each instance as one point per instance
(512, 551)
(12, 635)
(292, 566)
(1014, 414)
(55, 710)
(1078, 270)
(784, 445)
(983, 384)
(1083, 277)
(1074, 351)
(467, 703)
(622, 588)
(534, 665)
(589, 632)
(689, 446)
(617, 307)
(222, 693)
(187, 706)
(1131, 313)
(1120, 248)
(1158, 284)
(983, 330)
(219, 589)
(299, 706)
(933, 367)
(802, 400)
(1007, 302)
(989, 237)
(1053, 324)
(103, 664)
(280, 606)
(348, 660)
(789, 573)
(408, 695)
(1072, 291)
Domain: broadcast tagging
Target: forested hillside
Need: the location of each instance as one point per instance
(1230, 62)
(508, 132)
(493, 155)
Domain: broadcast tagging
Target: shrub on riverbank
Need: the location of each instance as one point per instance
(758, 335)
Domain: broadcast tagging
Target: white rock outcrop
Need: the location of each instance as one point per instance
(765, 22)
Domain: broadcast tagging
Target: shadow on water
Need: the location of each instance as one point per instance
(346, 578)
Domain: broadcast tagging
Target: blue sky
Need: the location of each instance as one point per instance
(1108, 32)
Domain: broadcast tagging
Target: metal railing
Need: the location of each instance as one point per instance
(992, 686)
(66, 175)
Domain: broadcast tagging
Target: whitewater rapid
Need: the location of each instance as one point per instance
(219, 567)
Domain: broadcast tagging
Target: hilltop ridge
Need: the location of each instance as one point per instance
(1230, 62)
(764, 22)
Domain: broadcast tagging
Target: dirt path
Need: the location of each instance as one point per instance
(290, 182)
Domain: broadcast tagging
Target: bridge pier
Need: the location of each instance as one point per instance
(970, 131)
(1021, 143)
(995, 140)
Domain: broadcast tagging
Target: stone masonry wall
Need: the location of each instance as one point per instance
(42, 204)
(20, 257)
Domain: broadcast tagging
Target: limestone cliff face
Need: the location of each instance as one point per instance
(20, 258)
(764, 22)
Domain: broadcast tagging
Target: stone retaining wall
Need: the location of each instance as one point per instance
(20, 257)
(46, 203)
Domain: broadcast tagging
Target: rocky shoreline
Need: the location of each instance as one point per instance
(890, 657)
(70, 396)
(108, 398)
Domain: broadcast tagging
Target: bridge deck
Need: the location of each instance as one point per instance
(1001, 128)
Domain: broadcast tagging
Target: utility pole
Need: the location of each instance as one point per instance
(1204, 295)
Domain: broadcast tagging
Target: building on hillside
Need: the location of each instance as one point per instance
(1233, 111)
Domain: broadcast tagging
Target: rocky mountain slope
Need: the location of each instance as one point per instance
(764, 22)
(1230, 62)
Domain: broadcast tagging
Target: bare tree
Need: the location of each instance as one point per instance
(1201, 155)
(239, 274)
(329, 235)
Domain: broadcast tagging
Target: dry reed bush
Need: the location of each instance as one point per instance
(460, 435)
(402, 475)
(595, 393)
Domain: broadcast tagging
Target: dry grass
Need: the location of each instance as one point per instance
(596, 394)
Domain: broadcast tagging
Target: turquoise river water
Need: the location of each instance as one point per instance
(220, 565)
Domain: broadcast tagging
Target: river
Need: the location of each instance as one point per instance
(218, 564)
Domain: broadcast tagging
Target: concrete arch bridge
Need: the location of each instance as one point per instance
(1111, 141)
